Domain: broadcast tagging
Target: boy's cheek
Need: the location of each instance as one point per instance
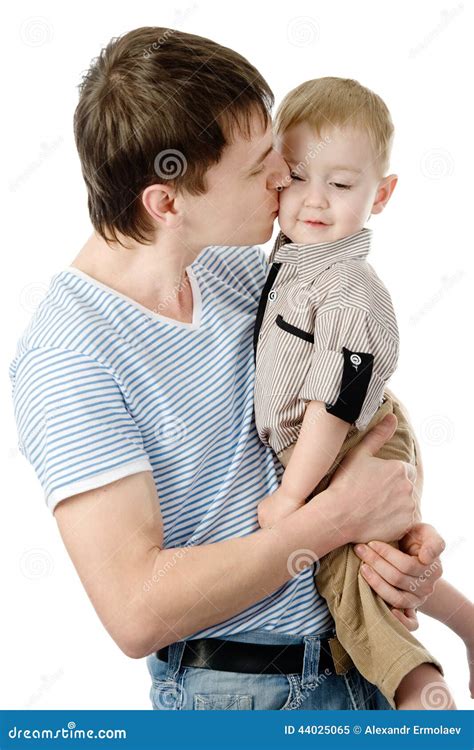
(288, 207)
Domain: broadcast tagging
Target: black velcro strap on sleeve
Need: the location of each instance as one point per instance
(356, 376)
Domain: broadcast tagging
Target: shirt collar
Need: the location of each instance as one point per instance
(312, 259)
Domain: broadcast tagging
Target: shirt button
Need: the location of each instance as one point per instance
(273, 295)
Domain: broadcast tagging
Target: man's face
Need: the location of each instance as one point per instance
(241, 202)
(335, 181)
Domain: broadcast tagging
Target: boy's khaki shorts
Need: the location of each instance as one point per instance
(381, 648)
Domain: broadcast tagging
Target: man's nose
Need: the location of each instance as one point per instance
(279, 173)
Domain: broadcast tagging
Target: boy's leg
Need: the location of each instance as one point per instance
(383, 650)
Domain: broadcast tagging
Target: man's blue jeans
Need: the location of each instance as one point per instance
(176, 687)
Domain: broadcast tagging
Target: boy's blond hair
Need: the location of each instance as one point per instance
(329, 102)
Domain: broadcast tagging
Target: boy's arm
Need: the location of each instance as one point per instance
(452, 608)
(319, 441)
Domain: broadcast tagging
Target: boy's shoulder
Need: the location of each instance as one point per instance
(352, 282)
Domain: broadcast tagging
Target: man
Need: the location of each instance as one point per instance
(133, 391)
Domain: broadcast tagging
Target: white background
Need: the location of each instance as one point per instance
(54, 652)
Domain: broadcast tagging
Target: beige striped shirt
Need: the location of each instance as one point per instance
(325, 331)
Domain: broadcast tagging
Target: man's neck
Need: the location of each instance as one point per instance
(151, 275)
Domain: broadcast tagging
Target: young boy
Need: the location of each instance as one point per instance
(326, 342)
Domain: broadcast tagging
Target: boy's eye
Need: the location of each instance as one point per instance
(340, 186)
(295, 176)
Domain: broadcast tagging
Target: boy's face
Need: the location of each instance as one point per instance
(336, 184)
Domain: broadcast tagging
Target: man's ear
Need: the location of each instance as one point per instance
(159, 202)
(384, 192)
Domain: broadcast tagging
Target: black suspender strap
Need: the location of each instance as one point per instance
(263, 303)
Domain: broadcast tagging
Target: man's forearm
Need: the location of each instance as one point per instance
(192, 588)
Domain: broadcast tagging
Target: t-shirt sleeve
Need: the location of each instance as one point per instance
(73, 424)
(355, 353)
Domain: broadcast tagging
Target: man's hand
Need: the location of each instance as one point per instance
(375, 497)
(404, 577)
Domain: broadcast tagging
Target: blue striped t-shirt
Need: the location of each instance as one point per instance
(104, 388)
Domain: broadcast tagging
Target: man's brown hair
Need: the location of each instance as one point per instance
(159, 105)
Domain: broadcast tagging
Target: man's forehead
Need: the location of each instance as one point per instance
(248, 150)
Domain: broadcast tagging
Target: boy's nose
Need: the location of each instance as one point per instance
(316, 198)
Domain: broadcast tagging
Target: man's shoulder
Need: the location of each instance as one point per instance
(61, 322)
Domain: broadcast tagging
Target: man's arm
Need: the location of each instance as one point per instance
(148, 596)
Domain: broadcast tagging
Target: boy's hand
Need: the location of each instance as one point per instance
(276, 506)
(407, 617)
(470, 661)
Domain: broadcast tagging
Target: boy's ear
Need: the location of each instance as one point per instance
(159, 202)
(384, 192)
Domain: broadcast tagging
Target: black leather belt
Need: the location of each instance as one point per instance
(251, 658)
